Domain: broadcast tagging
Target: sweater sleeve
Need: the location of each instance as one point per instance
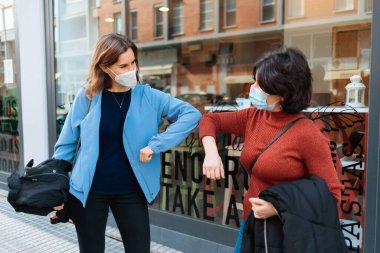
(316, 155)
(228, 122)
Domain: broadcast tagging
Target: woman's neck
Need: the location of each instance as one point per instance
(115, 87)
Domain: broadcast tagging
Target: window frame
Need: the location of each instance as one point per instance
(96, 3)
(290, 6)
(347, 8)
(133, 26)
(180, 17)
(156, 10)
(117, 16)
(225, 15)
(368, 6)
(202, 22)
(262, 5)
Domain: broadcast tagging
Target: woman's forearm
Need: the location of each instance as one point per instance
(209, 145)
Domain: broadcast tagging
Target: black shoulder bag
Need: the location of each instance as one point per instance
(42, 187)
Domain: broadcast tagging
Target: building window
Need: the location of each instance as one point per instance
(74, 7)
(133, 25)
(158, 22)
(368, 5)
(116, 1)
(96, 3)
(6, 15)
(206, 15)
(322, 45)
(344, 5)
(295, 8)
(267, 10)
(177, 17)
(117, 23)
(229, 13)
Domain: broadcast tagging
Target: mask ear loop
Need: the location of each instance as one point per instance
(112, 71)
(280, 103)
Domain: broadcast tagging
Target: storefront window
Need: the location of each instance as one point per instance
(9, 102)
(208, 63)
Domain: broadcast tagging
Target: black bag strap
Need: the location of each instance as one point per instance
(78, 145)
(273, 140)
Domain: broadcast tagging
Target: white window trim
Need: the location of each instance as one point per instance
(181, 17)
(261, 12)
(225, 15)
(156, 10)
(130, 24)
(298, 16)
(211, 12)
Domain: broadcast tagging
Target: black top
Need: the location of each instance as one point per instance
(113, 174)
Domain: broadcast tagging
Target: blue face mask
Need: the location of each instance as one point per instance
(258, 99)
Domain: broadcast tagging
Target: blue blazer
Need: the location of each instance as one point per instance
(141, 126)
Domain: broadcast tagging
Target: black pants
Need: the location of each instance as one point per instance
(131, 216)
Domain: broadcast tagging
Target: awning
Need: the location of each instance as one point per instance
(156, 70)
(239, 79)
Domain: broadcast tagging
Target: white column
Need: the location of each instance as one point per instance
(29, 16)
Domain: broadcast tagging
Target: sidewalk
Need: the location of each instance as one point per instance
(25, 233)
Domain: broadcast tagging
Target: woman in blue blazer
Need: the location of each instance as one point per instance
(118, 163)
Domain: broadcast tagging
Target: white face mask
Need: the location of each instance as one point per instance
(127, 79)
(259, 99)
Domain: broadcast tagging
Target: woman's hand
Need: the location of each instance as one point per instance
(57, 208)
(262, 209)
(146, 154)
(213, 166)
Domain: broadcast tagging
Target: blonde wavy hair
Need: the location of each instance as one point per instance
(107, 51)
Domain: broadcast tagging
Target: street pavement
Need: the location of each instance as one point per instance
(20, 232)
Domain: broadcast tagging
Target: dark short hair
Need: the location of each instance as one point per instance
(285, 72)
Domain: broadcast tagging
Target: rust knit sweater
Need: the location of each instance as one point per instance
(300, 152)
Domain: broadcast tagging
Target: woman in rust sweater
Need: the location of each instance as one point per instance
(282, 89)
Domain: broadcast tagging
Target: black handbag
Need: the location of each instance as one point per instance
(43, 187)
(40, 188)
